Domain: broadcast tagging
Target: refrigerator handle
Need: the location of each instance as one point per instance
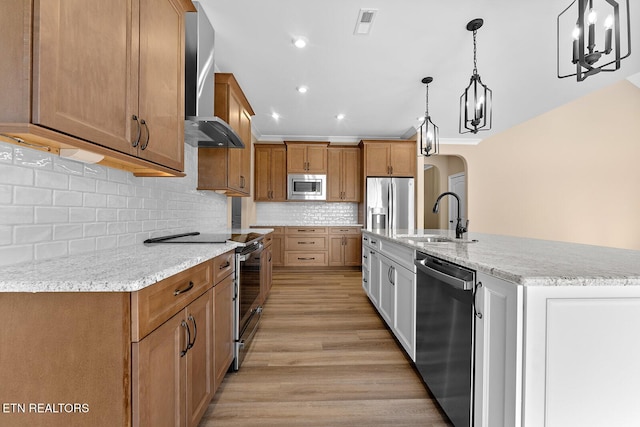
(392, 207)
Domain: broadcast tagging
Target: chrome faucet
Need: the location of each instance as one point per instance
(460, 230)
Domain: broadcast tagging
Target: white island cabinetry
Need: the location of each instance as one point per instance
(389, 280)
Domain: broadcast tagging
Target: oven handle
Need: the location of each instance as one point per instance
(244, 257)
(257, 312)
(463, 285)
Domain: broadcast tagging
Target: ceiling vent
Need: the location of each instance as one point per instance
(365, 21)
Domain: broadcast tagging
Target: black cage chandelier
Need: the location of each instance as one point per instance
(429, 139)
(601, 37)
(475, 102)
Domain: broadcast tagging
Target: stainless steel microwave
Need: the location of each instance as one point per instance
(306, 187)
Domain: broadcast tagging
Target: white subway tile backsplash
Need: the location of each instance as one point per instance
(32, 196)
(15, 254)
(6, 194)
(48, 179)
(32, 158)
(81, 183)
(15, 175)
(50, 206)
(32, 233)
(48, 215)
(82, 214)
(12, 215)
(67, 231)
(302, 213)
(67, 198)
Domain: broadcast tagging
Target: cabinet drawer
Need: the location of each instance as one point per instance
(153, 305)
(344, 230)
(306, 230)
(303, 243)
(370, 241)
(297, 258)
(223, 265)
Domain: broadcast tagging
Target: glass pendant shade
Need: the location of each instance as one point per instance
(593, 36)
(475, 102)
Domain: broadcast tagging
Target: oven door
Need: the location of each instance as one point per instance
(248, 309)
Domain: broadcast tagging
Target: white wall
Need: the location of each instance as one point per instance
(51, 207)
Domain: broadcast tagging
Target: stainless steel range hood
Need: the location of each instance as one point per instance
(201, 127)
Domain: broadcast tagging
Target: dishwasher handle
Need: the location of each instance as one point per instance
(463, 285)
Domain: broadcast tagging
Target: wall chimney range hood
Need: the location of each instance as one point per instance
(201, 127)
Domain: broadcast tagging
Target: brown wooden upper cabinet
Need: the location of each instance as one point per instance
(343, 177)
(106, 77)
(306, 157)
(228, 169)
(270, 173)
(389, 158)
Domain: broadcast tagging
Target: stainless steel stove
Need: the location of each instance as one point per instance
(247, 311)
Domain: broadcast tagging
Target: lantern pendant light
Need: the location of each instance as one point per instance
(429, 138)
(597, 45)
(475, 102)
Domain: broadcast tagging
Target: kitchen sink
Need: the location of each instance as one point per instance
(433, 238)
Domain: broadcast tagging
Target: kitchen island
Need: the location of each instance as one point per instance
(555, 339)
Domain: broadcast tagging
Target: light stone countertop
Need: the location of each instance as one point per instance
(125, 269)
(530, 262)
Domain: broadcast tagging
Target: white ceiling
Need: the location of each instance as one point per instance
(375, 80)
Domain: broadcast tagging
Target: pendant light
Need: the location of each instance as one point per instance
(592, 35)
(429, 139)
(475, 102)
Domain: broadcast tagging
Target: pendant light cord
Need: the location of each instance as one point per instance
(426, 114)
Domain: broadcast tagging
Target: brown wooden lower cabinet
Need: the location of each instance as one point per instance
(345, 247)
(223, 328)
(118, 358)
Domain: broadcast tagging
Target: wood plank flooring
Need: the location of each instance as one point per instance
(322, 357)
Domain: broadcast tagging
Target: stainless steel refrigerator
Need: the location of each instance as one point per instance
(390, 203)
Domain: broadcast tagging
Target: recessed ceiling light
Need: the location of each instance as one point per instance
(300, 42)
(276, 116)
(340, 116)
(302, 89)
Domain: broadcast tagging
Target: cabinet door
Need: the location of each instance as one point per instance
(161, 82)
(387, 290)
(405, 327)
(374, 283)
(234, 155)
(403, 159)
(200, 376)
(296, 159)
(334, 175)
(159, 376)
(352, 250)
(351, 175)
(277, 250)
(279, 174)
(245, 164)
(262, 171)
(377, 159)
(497, 387)
(336, 250)
(223, 328)
(317, 159)
(85, 70)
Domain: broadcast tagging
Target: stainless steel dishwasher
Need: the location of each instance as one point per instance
(444, 334)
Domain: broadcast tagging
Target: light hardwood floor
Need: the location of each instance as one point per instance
(322, 357)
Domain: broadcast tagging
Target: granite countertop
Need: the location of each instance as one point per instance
(530, 262)
(126, 269)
